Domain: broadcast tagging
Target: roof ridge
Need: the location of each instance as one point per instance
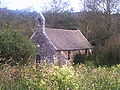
(61, 29)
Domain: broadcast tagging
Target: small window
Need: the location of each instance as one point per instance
(38, 58)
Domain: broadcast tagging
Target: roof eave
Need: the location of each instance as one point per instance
(75, 49)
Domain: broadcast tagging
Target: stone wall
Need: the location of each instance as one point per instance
(44, 48)
(61, 57)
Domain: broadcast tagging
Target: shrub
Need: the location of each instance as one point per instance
(79, 58)
(110, 54)
(14, 47)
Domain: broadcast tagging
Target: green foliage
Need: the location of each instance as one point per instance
(79, 58)
(18, 20)
(14, 47)
(110, 53)
(44, 77)
(62, 20)
(50, 77)
(92, 60)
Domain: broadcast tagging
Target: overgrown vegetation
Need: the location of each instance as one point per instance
(110, 53)
(15, 48)
(50, 77)
(99, 22)
(79, 59)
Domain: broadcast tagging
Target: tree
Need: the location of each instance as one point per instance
(3, 4)
(106, 6)
(93, 25)
(98, 21)
(58, 14)
(0, 3)
(58, 6)
(19, 20)
(102, 5)
(63, 20)
(14, 47)
(110, 53)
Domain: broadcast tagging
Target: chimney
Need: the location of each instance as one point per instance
(40, 25)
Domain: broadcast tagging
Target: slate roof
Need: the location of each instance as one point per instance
(67, 39)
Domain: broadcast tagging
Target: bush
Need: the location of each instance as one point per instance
(14, 47)
(79, 58)
(110, 54)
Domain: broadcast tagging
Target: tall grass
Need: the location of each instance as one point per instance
(67, 77)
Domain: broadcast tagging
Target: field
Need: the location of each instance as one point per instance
(67, 77)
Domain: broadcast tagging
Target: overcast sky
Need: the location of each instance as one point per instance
(36, 4)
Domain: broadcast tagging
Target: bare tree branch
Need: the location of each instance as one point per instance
(57, 6)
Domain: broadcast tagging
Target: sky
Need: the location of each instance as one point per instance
(36, 4)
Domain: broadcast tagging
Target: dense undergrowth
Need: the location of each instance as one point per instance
(67, 77)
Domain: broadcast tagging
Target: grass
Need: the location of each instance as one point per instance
(67, 77)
